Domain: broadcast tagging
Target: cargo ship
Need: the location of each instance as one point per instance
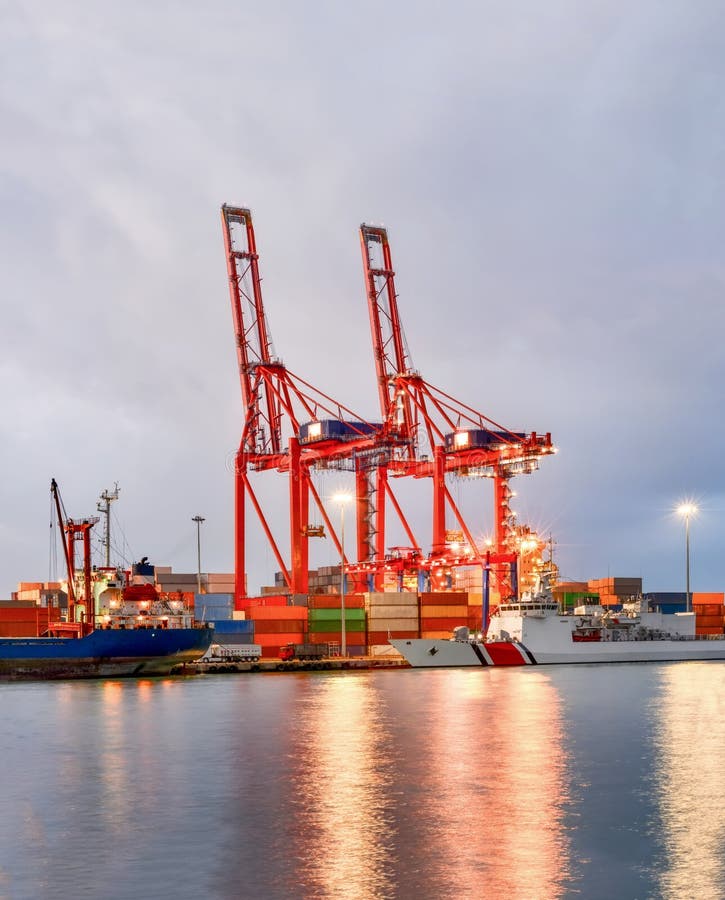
(114, 623)
(103, 653)
(534, 631)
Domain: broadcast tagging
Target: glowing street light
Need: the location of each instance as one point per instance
(198, 520)
(686, 510)
(342, 499)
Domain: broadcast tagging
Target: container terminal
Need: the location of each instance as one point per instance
(293, 430)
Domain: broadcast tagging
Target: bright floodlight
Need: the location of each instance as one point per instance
(687, 509)
(341, 497)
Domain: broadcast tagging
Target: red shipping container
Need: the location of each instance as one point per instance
(708, 629)
(278, 626)
(451, 598)
(278, 613)
(442, 624)
(278, 640)
(271, 600)
(332, 601)
(708, 621)
(352, 638)
(382, 637)
(708, 609)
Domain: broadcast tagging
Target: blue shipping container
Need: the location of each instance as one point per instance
(336, 430)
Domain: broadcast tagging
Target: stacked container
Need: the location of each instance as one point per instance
(390, 615)
(441, 612)
(667, 601)
(232, 633)
(324, 622)
(219, 582)
(213, 607)
(616, 591)
(709, 612)
(275, 626)
(24, 618)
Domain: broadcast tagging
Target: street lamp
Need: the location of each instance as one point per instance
(198, 520)
(342, 499)
(686, 510)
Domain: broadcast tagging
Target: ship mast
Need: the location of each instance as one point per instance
(104, 506)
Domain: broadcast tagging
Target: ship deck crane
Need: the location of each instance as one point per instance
(73, 531)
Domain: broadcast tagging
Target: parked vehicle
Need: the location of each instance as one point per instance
(303, 651)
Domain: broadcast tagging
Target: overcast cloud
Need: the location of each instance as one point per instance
(552, 176)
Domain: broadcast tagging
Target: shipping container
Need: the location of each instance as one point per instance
(352, 638)
(382, 637)
(325, 615)
(261, 613)
(438, 623)
(278, 626)
(330, 625)
(393, 612)
(443, 612)
(336, 429)
(441, 598)
(332, 601)
(385, 624)
(473, 438)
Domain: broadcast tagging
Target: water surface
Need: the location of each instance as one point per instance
(586, 781)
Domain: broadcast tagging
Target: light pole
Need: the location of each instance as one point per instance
(686, 510)
(343, 499)
(198, 520)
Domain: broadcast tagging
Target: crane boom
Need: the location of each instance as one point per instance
(253, 340)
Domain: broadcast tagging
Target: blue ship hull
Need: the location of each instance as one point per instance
(103, 653)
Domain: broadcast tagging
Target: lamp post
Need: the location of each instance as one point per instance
(342, 499)
(198, 520)
(686, 510)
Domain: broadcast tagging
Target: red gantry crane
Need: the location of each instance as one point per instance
(441, 435)
(289, 426)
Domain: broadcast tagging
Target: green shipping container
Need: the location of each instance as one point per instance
(334, 615)
(334, 626)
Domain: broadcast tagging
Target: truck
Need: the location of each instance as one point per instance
(303, 651)
(233, 653)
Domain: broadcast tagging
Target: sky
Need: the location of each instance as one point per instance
(552, 177)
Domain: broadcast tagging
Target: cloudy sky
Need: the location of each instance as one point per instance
(552, 176)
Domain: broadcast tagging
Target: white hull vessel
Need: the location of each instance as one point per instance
(534, 632)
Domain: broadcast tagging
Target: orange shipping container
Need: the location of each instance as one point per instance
(708, 609)
(443, 612)
(708, 629)
(30, 585)
(435, 635)
(278, 613)
(698, 599)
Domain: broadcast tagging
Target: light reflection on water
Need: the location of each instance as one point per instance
(542, 783)
(690, 747)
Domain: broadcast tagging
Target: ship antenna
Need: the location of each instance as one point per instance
(104, 506)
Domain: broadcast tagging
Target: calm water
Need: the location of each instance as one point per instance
(538, 783)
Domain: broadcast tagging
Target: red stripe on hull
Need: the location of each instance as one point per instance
(504, 653)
